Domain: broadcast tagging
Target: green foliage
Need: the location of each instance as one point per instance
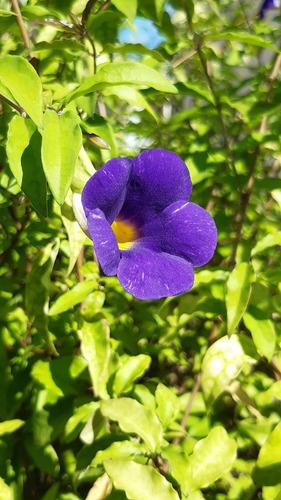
(101, 395)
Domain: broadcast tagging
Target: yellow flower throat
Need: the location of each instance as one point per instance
(125, 233)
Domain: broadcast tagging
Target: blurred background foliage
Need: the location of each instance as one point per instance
(101, 395)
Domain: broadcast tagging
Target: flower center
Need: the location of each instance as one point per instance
(125, 233)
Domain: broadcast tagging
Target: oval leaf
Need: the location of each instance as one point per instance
(24, 155)
(61, 142)
(96, 349)
(139, 481)
(238, 290)
(263, 334)
(133, 73)
(74, 296)
(267, 470)
(10, 426)
(135, 418)
(133, 368)
(24, 84)
(221, 364)
(212, 457)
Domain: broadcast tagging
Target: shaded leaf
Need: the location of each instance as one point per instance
(24, 155)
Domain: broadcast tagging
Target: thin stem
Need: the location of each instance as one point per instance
(195, 389)
(14, 105)
(20, 22)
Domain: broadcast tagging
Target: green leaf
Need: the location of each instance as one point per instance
(119, 449)
(243, 37)
(212, 457)
(24, 155)
(76, 237)
(268, 241)
(132, 96)
(159, 8)
(44, 457)
(135, 418)
(267, 469)
(134, 367)
(10, 426)
(74, 296)
(38, 284)
(22, 81)
(139, 481)
(61, 142)
(167, 405)
(238, 290)
(61, 377)
(263, 334)
(123, 73)
(96, 350)
(129, 9)
(221, 364)
(5, 492)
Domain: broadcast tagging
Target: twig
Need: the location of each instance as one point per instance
(20, 22)
(14, 105)
(195, 389)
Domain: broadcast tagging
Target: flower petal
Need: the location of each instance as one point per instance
(106, 189)
(158, 178)
(104, 240)
(186, 230)
(152, 275)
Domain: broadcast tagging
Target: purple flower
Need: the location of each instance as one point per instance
(267, 5)
(143, 227)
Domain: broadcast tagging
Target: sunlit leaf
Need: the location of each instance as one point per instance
(267, 469)
(96, 349)
(238, 289)
(61, 142)
(133, 73)
(263, 334)
(135, 418)
(139, 481)
(133, 368)
(22, 81)
(221, 364)
(10, 426)
(129, 9)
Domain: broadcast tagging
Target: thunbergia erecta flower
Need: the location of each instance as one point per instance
(143, 227)
(268, 5)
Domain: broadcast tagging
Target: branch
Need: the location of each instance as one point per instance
(23, 31)
(14, 105)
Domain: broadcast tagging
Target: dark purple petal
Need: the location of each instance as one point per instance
(150, 275)
(106, 189)
(158, 178)
(186, 230)
(104, 240)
